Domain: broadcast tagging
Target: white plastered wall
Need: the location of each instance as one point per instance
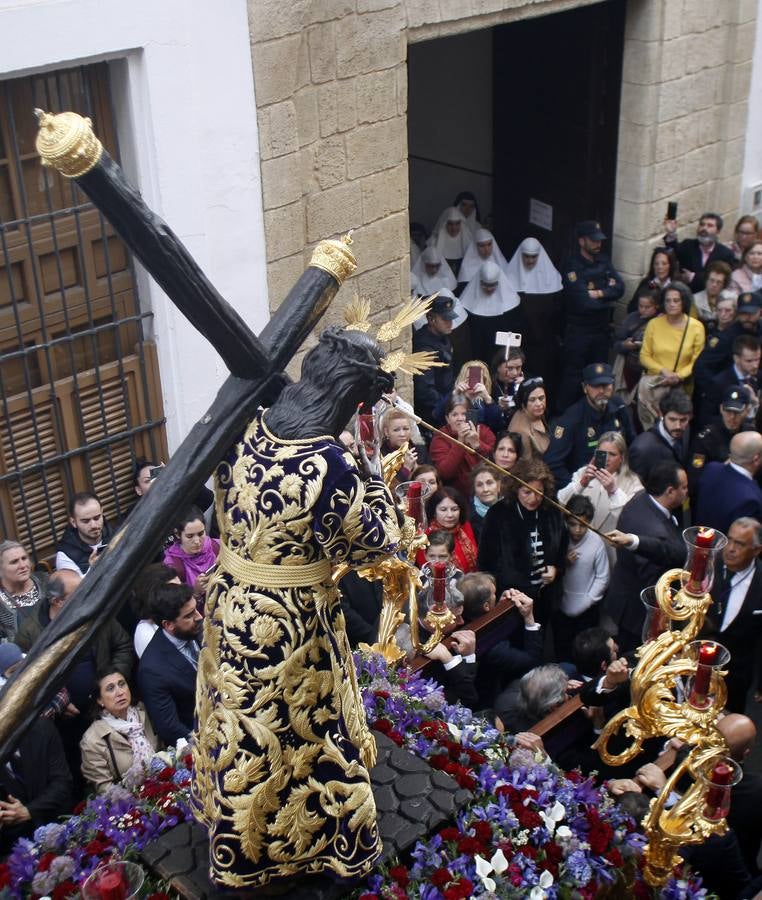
(185, 110)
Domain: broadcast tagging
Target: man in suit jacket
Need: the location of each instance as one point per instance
(167, 668)
(668, 440)
(735, 616)
(742, 374)
(727, 491)
(695, 254)
(648, 542)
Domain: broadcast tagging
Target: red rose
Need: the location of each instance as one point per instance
(368, 897)
(166, 774)
(96, 847)
(396, 737)
(483, 830)
(449, 834)
(460, 890)
(615, 858)
(470, 846)
(79, 808)
(383, 725)
(64, 889)
(441, 877)
(401, 875)
(528, 818)
(438, 761)
(159, 895)
(5, 875)
(575, 776)
(553, 852)
(465, 780)
(384, 695)
(45, 860)
(529, 851)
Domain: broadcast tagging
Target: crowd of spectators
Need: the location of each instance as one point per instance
(559, 471)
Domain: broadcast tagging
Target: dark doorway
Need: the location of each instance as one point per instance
(518, 112)
(557, 83)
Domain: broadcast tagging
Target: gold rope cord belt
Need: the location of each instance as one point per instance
(267, 576)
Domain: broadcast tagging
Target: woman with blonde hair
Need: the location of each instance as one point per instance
(608, 488)
(478, 390)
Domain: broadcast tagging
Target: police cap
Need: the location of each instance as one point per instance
(444, 306)
(733, 400)
(749, 301)
(598, 373)
(590, 229)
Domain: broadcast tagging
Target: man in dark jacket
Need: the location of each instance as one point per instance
(727, 491)
(167, 668)
(648, 542)
(591, 287)
(432, 388)
(668, 440)
(695, 254)
(85, 536)
(574, 435)
(712, 444)
(37, 784)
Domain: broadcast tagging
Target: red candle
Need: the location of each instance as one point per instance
(111, 886)
(414, 501)
(707, 659)
(438, 576)
(704, 541)
(722, 775)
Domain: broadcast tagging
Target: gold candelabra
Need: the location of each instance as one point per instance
(401, 582)
(678, 691)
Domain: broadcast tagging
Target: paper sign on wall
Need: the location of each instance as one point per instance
(541, 214)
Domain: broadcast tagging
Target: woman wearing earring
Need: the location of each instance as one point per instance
(121, 741)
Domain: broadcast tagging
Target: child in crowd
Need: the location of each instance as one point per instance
(584, 581)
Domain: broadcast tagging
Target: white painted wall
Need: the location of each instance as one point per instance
(450, 119)
(752, 170)
(184, 98)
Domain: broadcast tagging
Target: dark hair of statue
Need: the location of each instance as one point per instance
(338, 374)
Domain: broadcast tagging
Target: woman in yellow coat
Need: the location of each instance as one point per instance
(673, 340)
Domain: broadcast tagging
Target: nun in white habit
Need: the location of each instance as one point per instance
(492, 305)
(451, 237)
(483, 249)
(432, 272)
(539, 284)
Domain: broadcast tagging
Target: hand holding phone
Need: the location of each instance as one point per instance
(671, 210)
(474, 376)
(600, 458)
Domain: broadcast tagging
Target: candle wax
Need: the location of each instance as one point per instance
(438, 575)
(715, 796)
(704, 541)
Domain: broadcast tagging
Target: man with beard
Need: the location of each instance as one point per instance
(668, 439)
(574, 435)
(695, 254)
(85, 536)
(167, 668)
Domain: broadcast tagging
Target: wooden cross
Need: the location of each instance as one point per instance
(256, 377)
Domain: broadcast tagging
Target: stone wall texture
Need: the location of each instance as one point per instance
(331, 91)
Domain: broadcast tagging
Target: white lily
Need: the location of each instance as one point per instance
(484, 869)
(499, 862)
(546, 879)
(553, 816)
(454, 731)
(563, 833)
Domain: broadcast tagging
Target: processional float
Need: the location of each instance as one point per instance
(677, 688)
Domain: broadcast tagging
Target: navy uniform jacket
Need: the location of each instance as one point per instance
(433, 387)
(724, 496)
(580, 276)
(711, 444)
(574, 436)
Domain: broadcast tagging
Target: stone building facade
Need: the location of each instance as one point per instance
(330, 85)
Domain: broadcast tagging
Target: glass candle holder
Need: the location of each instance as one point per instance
(439, 590)
(412, 496)
(656, 621)
(703, 545)
(709, 657)
(114, 881)
(718, 777)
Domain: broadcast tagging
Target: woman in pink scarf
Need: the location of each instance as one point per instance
(194, 553)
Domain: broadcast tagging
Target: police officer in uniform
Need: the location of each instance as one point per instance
(574, 435)
(591, 287)
(712, 444)
(432, 388)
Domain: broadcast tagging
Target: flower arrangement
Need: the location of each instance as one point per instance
(115, 825)
(530, 831)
